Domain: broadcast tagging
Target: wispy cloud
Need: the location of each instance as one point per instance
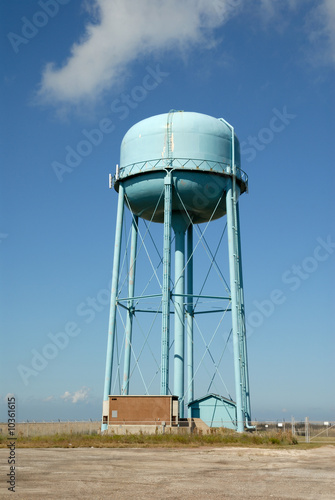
(49, 398)
(123, 30)
(321, 31)
(270, 8)
(76, 397)
(317, 19)
(66, 395)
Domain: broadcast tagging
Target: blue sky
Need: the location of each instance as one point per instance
(73, 67)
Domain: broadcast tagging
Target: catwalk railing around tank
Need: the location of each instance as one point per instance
(179, 163)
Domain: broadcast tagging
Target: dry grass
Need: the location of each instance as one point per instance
(219, 438)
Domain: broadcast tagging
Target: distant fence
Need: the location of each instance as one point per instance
(308, 431)
(29, 429)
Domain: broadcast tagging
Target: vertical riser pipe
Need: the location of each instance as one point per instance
(179, 319)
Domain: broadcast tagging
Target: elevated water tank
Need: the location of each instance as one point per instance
(179, 169)
(197, 147)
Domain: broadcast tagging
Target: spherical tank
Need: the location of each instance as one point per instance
(196, 148)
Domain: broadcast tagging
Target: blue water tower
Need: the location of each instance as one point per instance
(179, 169)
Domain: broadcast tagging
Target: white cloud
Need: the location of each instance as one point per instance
(80, 395)
(328, 17)
(271, 7)
(122, 31)
(317, 20)
(75, 397)
(125, 30)
(319, 25)
(49, 398)
(66, 395)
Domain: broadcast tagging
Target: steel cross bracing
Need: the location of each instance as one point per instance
(208, 351)
(218, 365)
(189, 307)
(131, 299)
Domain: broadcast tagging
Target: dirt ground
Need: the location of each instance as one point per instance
(151, 473)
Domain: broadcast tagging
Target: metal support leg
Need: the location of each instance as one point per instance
(236, 286)
(235, 298)
(190, 350)
(245, 375)
(130, 314)
(179, 318)
(166, 285)
(113, 306)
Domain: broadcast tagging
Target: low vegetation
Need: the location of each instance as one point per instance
(220, 437)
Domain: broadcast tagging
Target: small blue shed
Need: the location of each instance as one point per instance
(215, 411)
